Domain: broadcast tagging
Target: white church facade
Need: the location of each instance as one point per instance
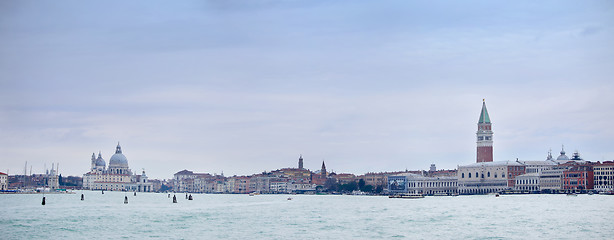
(117, 177)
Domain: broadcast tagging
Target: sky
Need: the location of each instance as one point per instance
(242, 87)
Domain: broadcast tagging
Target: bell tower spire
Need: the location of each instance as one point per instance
(323, 170)
(484, 136)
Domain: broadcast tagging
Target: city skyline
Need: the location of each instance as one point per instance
(246, 87)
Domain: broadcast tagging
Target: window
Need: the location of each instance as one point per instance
(488, 174)
(463, 175)
(469, 175)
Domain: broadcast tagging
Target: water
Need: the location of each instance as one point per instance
(152, 215)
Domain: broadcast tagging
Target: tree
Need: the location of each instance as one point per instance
(361, 184)
(331, 185)
(367, 188)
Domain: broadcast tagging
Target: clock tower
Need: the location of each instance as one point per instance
(484, 136)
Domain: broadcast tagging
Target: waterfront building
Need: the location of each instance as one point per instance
(484, 136)
(260, 183)
(299, 175)
(117, 177)
(531, 181)
(344, 178)
(578, 176)
(604, 176)
(551, 180)
(4, 181)
(376, 179)
(228, 185)
(416, 183)
(278, 185)
(139, 183)
(488, 177)
(528, 182)
(301, 188)
(183, 181)
(188, 181)
(240, 184)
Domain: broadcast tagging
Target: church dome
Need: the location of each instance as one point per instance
(100, 162)
(118, 159)
(562, 156)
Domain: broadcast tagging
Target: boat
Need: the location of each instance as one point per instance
(572, 195)
(407, 196)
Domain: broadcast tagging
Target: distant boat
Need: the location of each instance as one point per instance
(289, 198)
(407, 196)
(572, 195)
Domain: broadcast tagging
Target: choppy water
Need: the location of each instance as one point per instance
(151, 215)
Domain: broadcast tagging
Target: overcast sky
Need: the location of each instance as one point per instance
(246, 86)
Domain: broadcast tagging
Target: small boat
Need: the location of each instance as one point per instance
(572, 195)
(497, 195)
(289, 198)
(407, 196)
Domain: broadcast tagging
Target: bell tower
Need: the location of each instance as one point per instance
(484, 136)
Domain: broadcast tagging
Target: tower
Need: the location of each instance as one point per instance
(484, 136)
(93, 161)
(323, 171)
(300, 162)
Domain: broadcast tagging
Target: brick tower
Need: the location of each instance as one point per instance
(484, 134)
